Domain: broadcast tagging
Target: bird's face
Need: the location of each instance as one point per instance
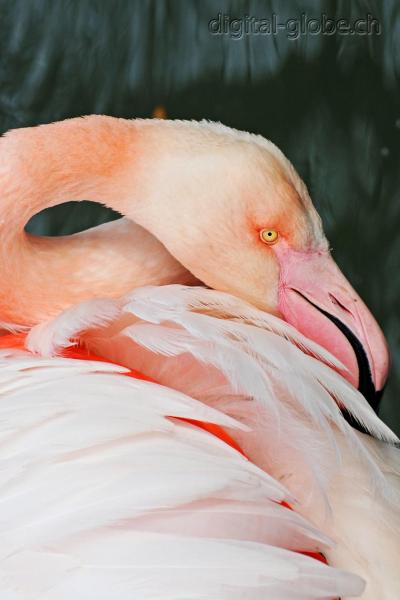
(259, 237)
(303, 284)
(241, 220)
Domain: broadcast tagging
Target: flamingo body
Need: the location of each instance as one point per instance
(174, 441)
(108, 475)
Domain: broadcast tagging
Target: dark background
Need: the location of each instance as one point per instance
(331, 102)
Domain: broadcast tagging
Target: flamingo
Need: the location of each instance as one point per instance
(179, 388)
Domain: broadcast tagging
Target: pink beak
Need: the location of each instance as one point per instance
(316, 298)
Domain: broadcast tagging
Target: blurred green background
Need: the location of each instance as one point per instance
(331, 102)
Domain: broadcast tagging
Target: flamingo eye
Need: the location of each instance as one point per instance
(269, 236)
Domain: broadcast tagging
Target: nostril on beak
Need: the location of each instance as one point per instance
(337, 303)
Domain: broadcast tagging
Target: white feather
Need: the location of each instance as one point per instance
(102, 495)
(121, 563)
(225, 362)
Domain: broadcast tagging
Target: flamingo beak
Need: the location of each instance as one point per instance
(316, 298)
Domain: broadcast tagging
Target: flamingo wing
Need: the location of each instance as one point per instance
(112, 489)
(109, 491)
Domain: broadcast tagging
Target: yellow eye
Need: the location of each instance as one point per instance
(269, 236)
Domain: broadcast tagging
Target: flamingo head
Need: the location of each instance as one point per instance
(227, 205)
(243, 222)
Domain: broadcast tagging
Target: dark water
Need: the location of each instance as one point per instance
(331, 102)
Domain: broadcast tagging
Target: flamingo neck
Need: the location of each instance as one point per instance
(100, 158)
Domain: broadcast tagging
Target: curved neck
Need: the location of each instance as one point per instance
(99, 158)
